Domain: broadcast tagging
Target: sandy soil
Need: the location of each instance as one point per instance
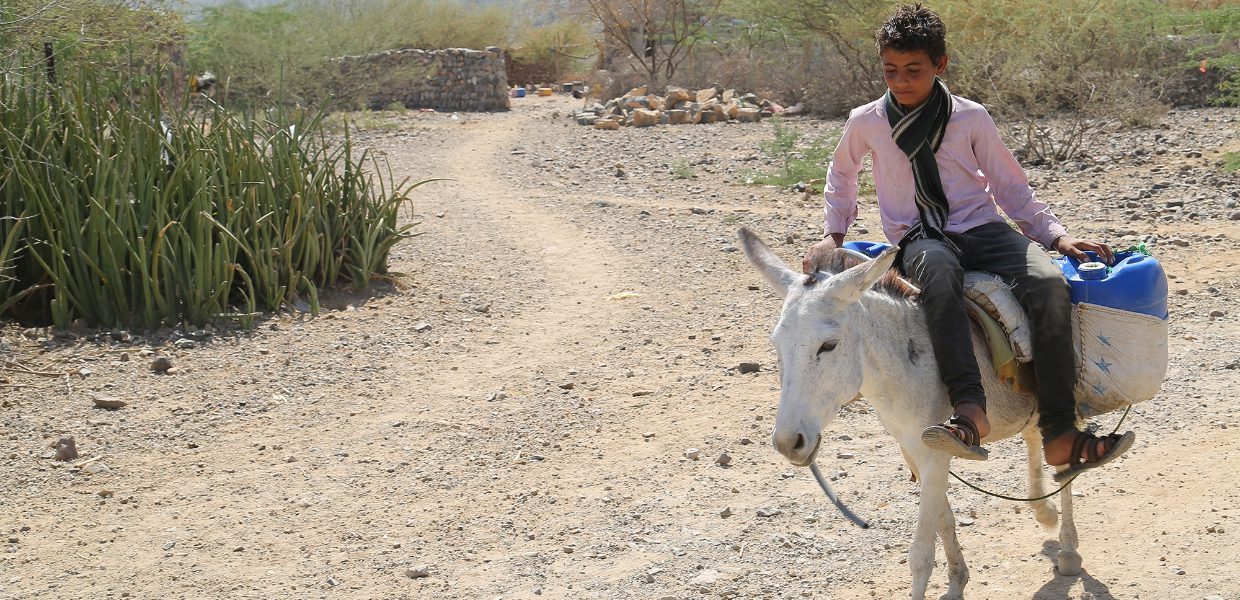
(513, 420)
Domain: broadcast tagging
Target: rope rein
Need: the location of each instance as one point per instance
(1045, 496)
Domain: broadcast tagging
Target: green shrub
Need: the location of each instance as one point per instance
(116, 211)
(1231, 161)
(801, 159)
(105, 34)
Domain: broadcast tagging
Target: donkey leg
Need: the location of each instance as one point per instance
(1068, 559)
(932, 467)
(957, 571)
(1044, 510)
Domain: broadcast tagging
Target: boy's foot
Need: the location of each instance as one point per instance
(961, 436)
(1080, 451)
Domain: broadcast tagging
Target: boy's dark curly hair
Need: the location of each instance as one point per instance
(911, 28)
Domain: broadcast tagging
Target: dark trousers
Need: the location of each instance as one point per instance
(1039, 286)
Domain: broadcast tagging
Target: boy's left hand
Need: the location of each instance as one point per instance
(1070, 246)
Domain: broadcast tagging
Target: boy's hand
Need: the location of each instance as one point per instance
(1070, 246)
(818, 253)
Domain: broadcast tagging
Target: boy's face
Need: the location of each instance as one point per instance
(910, 75)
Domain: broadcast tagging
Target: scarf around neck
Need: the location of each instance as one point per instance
(919, 133)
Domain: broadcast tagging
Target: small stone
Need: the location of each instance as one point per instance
(692, 453)
(646, 578)
(1234, 215)
(537, 590)
(422, 326)
(723, 460)
(1217, 313)
(727, 512)
(567, 385)
(643, 392)
(707, 577)
(964, 521)
(648, 434)
(769, 512)
(108, 402)
(290, 458)
(418, 571)
(844, 455)
(748, 367)
(66, 449)
(98, 468)
(1178, 570)
(569, 549)
(161, 364)
(745, 441)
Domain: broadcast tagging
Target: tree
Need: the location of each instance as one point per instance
(657, 34)
(102, 32)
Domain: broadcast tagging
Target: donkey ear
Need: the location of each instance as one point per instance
(849, 285)
(764, 260)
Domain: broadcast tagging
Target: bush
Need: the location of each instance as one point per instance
(801, 160)
(117, 211)
(551, 52)
(108, 35)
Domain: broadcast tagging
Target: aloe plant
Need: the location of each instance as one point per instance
(116, 210)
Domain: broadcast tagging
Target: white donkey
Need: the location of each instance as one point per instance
(853, 330)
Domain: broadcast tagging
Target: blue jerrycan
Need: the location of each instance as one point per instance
(1136, 282)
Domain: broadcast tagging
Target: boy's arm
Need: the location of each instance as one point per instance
(1010, 186)
(840, 191)
(839, 195)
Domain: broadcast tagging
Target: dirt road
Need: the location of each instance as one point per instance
(539, 409)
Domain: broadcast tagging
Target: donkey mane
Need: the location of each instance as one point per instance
(891, 283)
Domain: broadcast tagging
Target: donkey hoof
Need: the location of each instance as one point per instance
(952, 596)
(1069, 562)
(1047, 514)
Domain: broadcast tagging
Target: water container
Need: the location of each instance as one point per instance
(520, 92)
(1135, 282)
(871, 249)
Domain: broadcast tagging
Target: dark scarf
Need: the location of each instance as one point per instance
(919, 133)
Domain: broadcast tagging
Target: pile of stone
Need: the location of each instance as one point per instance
(678, 106)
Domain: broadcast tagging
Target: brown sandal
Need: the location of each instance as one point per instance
(1085, 454)
(957, 437)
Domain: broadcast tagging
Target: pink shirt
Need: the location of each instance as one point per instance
(979, 176)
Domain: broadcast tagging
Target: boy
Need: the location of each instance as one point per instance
(940, 172)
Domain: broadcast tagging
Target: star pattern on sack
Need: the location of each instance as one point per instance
(1103, 365)
(1099, 389)
(1105, 340)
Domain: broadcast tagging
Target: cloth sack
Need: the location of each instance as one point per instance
(1121, 356)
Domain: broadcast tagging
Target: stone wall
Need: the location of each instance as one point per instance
(455, 79)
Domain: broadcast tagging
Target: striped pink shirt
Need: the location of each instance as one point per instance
(979, 176)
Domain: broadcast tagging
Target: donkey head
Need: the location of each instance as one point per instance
(819, 341)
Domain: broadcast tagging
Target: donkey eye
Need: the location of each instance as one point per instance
(827, 346)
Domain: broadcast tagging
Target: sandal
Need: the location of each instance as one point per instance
(1085, 452)
(957, 437)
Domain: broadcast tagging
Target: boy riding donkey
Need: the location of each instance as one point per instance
(940, 172)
